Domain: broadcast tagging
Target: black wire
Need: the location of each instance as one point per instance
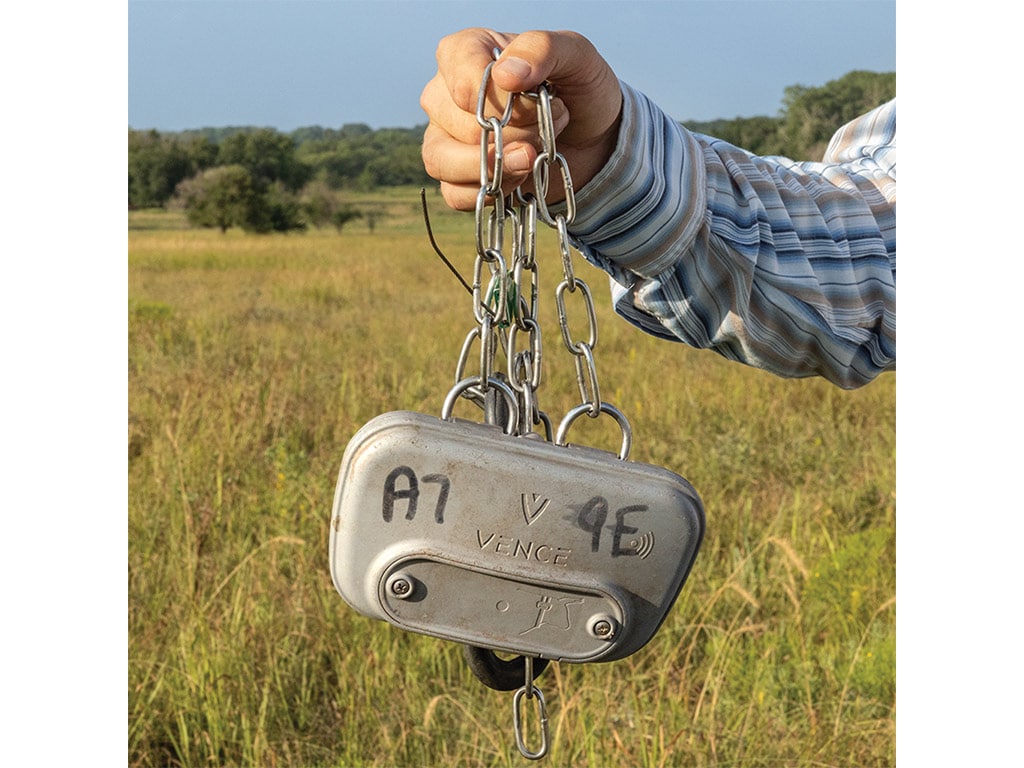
(433, 243)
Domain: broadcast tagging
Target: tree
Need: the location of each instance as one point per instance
(759, 135)
(318, 203)
(268, 155)
(344, 215)
(321, 206)
(338, 167)
(276, 209)
(155, 166)
(228, 196)
(357, 156)
(402, 164)
(220, 197)
(809, 118)
(812, 115)
(201, 151)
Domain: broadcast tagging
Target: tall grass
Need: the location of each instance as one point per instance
(253, 360)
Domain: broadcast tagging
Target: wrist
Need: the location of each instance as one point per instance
(586, 161)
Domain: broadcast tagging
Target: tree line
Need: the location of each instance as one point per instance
(808, 118)
(264, 180)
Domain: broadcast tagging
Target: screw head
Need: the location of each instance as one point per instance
(603, 627)
(400, 586)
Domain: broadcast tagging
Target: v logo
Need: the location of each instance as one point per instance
(533, 506)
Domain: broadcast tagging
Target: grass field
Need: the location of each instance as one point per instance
(253, 360)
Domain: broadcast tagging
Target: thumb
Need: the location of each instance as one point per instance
(559, 57)
(586, 91)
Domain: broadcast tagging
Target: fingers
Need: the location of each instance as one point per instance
(451, 143)
(585, 108)
(456, 164)
(461, 61)
(461, 124)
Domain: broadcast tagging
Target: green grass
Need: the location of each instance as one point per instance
(253, 360)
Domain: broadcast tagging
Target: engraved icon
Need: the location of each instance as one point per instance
(643, 545)
(533, 506)
(544, 608)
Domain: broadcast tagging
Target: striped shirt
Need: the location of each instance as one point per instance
(786, 266)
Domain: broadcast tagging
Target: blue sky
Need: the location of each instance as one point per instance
(291, 63)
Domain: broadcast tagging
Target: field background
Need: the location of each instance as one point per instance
(253, 360)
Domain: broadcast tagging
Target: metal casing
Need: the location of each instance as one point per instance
(457, 530)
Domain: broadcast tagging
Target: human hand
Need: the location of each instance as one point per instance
(585, 108)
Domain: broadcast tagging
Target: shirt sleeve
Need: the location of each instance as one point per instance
(783, 265)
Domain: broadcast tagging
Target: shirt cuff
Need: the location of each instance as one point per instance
(642, 211)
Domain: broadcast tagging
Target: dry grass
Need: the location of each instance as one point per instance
(252, 362)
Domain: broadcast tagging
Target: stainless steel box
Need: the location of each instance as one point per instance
(457, 530)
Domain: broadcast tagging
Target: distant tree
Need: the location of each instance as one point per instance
(228, 196)
(760, 135)
(343, 215)
(268, 155)
(155, 166)
(217, 135)
(322, 206)
(812, 115)
(358, 157)
(221, 197)
(373, 216)
(275, 209)
(809, 118)
(401, 165)
(318, 201)
(339, 167)
(202, 151)
(354, 130)
(309, 134)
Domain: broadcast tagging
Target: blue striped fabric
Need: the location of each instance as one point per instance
(783, 265)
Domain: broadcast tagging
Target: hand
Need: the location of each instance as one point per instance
(586, 106)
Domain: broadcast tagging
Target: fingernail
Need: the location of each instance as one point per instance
(517, 161)
(515, 67)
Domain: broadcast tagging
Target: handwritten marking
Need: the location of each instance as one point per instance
(592, 517)
(411, 493)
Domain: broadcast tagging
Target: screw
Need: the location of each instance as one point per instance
(603, 627)
(400, 586)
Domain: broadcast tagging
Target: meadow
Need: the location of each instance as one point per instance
(252, 362)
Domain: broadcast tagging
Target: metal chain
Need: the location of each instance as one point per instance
(505, 304)
(505, 292)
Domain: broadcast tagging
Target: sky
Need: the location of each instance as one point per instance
(286, 64)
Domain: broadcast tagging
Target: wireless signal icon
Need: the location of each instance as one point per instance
(643, 545)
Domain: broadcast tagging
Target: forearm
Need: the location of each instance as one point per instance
(783, 266)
